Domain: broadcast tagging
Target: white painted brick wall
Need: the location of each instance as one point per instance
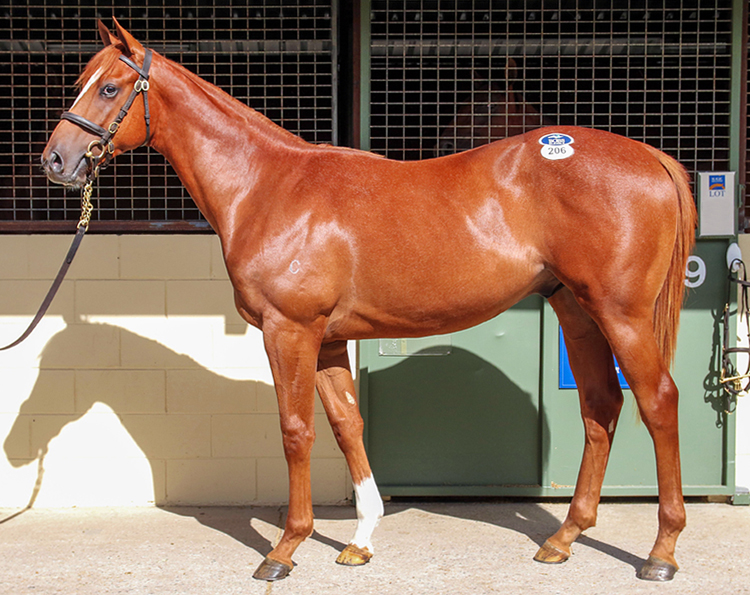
(142, 385)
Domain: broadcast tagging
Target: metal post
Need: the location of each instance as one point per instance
(364, 75)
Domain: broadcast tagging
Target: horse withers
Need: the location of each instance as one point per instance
(325, 245)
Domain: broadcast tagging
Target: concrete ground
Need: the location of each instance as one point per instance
(421, 547)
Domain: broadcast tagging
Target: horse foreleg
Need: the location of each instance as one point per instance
(336, 388)
(293, 352)
(601, 400)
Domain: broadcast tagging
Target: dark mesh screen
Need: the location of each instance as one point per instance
(653, 71)
(275, 55)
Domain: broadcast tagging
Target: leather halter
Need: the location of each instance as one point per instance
(107, 134)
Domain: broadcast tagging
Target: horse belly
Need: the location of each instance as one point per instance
(427, 298)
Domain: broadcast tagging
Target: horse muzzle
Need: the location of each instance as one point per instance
(68, 170)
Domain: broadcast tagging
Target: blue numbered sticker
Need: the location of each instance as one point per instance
(556, 146)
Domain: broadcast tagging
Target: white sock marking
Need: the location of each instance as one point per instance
(90, 82)
(369, 512)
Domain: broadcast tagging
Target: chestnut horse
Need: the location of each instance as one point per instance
(326, 244)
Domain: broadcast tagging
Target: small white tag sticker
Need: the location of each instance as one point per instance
(556, 146)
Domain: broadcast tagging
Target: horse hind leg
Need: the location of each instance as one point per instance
(336, 389)
(601, 401)
(633, 341)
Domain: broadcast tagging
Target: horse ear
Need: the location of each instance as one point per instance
(107, 37)
(129, 44)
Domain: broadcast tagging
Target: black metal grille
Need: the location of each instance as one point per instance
(278, 56)
(653, 71)
(744, 177)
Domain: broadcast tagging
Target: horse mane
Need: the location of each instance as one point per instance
(222, 98)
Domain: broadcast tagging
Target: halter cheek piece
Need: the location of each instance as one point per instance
(107, 134)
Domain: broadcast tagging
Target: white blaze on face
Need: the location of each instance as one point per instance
(90, 82)
(369, 512)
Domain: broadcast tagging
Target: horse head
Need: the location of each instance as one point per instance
(103, 112)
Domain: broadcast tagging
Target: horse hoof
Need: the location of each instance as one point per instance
(272, 570)
(656, 569)
(354, 556)
(549, 554)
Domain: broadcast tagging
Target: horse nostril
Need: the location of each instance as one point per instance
(56, 163)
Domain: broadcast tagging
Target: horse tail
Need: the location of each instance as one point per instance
(670, 298)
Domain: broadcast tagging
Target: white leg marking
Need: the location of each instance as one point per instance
(369, 512)
(91, 81)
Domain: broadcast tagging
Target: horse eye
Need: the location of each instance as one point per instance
(109, 90)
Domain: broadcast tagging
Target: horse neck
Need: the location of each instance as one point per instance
(217, 145)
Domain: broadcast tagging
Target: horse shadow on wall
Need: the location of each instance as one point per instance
(50, 408)
(41, 405)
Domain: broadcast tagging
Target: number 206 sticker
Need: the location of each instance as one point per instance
(556, 146)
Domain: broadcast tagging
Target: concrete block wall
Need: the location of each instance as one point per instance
(142, 385)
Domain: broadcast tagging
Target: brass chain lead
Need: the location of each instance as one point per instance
(86, 206)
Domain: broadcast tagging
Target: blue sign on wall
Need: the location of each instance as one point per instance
(566, 374)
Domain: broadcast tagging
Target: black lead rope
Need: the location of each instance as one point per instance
(96, 162)
(53, 289)
(732, 381)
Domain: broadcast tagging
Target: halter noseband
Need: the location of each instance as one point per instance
(106, 134)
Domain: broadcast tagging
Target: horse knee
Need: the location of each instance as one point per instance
(298, 438)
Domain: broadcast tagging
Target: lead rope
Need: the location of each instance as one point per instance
(96, 163)
(87, 209)
(83, 225)
(736, 384)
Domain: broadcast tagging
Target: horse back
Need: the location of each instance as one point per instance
(387, 247)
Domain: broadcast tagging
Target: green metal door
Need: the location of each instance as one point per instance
(457, 414)
(705, 429)
(481, 412)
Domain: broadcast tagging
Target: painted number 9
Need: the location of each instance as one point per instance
(695, 272)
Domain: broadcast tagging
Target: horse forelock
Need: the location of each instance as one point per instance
(104, 60)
